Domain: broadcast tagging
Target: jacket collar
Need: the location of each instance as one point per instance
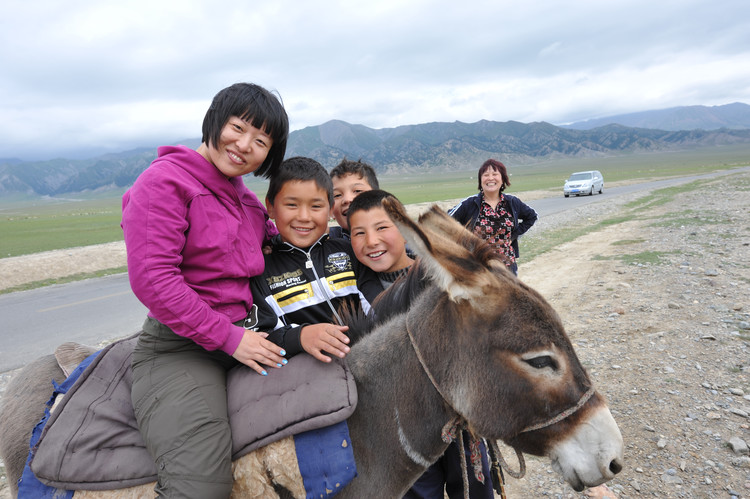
(279, 245)
(192, 162)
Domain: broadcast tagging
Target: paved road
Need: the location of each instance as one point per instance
(34, 322)
(550, 206)
(90, 311)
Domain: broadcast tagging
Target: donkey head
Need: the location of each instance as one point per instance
(494, 346)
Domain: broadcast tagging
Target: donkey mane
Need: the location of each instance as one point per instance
(400, 295)
(389, 303)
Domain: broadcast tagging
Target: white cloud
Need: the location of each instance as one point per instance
(92, 75)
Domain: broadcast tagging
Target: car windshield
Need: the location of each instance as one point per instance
(579, 176)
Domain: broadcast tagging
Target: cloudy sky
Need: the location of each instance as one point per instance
(79, 77)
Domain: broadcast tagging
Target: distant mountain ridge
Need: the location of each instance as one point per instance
(733, 116)
(453, 146)
(410, 148)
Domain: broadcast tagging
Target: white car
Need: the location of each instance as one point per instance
(584, 183)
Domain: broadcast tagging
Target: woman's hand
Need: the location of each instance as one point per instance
(255, 351)
(319, 338)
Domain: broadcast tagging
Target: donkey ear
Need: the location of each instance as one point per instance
(445, 248)
(70, 354)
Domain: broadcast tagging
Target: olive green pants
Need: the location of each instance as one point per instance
(180, 401)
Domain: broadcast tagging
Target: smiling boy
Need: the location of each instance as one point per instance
(376, 240)
(350, 178)
(307, 275)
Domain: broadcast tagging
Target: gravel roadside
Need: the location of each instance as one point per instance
(658, 308)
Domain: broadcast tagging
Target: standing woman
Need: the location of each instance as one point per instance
(194, 234)
(498, 218)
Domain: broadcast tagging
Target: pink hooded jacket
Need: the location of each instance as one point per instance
(193, 240)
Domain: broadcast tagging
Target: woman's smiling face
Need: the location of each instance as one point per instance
(242, 148)
(492, 180)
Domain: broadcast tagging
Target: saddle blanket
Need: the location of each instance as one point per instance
(91, 440)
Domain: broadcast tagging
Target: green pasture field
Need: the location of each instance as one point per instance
(30, 226)
(48, 224)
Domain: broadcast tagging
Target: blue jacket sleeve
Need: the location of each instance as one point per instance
(526, 218)
(461, 211)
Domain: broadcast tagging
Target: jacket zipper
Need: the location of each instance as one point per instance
(322, 282)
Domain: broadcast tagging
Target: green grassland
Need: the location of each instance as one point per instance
(30, 226)
(54, 224)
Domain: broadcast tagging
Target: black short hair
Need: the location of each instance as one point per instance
(255, 104)
(300, 168)
(368, 200)
(358, 167)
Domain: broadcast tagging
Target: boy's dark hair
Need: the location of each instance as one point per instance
(358, 167)
(495, 165)
(300, 168)
(255, 104)
(368, 200)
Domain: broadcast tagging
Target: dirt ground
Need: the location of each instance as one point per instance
(668, 343)
(658, 308)
(18, 270)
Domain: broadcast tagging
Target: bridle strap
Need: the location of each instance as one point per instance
(452, 428)
(426, 369)
(504, 464)
(567, 412)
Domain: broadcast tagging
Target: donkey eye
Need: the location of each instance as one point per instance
(541, 362)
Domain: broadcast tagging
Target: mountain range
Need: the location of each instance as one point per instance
(732, 116)
(424, 147)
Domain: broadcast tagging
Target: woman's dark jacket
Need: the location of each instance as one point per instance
(467, 212)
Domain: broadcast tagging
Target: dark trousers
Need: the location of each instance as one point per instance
(445, 476)
(180, 401)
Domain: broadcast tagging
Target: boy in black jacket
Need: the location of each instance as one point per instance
(307, 275)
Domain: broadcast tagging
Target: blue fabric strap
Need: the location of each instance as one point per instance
(326, 460)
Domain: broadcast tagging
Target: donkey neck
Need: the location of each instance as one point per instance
(400, 414)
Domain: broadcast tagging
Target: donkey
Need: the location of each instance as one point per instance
(461, 343)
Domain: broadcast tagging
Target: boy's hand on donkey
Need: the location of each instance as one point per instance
(330, 338)
(255, 351)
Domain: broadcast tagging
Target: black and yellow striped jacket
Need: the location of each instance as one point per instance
(306, 286)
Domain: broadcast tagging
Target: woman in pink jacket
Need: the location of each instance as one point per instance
(194, 234)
